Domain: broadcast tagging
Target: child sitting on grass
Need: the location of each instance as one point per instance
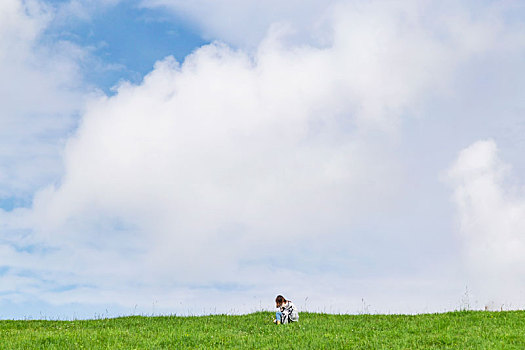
(287, 311)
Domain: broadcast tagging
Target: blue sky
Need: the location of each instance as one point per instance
(162, 156)
(128, 38)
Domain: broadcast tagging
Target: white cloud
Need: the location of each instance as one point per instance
(212, 160)
(491, 210)
(246, 23)
(84, 10)
(38, 98)
(229, 168)
(242, 173)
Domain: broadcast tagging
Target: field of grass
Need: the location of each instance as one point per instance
(460, 330)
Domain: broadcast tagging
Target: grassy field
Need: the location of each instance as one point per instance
(459, 330)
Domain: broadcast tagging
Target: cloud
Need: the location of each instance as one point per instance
(244, 172)
(491, 209)
(40, 92)
(74, 10)
(246, 23)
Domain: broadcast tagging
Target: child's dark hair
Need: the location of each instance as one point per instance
(280, 300)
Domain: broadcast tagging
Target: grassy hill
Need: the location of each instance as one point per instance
(460, 330)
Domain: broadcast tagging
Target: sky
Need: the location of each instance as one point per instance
(176, 157)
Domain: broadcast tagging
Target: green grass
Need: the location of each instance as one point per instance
(459, 330)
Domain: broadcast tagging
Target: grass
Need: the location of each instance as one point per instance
(458, 330)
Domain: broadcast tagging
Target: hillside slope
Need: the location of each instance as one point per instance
(464, 330)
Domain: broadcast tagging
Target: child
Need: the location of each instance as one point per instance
(287, 311)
